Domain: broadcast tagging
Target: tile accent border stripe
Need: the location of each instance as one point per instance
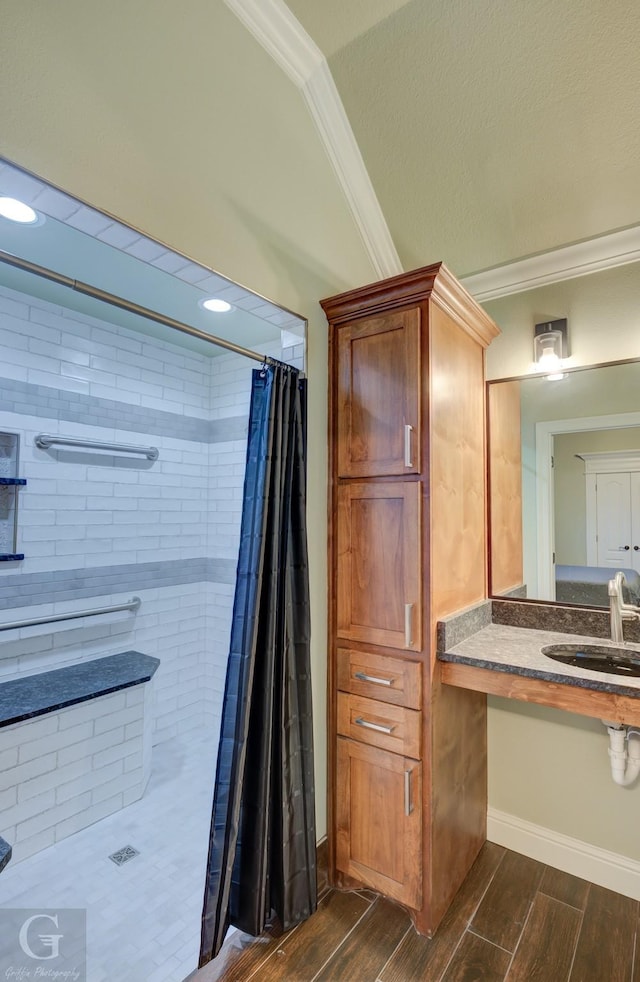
(27, 399)
(56, 586)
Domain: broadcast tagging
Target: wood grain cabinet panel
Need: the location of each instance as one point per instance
(379, 820)
(379, 564)
(389, 679)
(407, 546)
(378, 396)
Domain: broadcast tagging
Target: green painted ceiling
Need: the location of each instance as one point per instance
(491, 129)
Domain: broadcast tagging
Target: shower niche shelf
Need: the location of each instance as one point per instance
(10, 484)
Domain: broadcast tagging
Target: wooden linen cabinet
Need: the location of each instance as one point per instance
(408, 545)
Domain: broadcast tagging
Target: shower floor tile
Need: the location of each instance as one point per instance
(143, 918)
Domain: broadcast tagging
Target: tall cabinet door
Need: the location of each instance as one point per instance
(378, 400)
(379, 564)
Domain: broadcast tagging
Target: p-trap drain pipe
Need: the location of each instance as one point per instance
(624, 753)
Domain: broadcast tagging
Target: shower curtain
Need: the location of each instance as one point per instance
(262, 846)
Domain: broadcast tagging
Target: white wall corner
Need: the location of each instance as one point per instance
(607, 869)
(274, 27)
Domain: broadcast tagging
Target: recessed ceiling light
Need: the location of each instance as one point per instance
(213, 303)
(17, 211)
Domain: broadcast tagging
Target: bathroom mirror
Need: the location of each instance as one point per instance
(564, 484)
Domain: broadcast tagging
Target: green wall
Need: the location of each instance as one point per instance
(172, 118)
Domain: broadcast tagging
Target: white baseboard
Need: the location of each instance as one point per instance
(607, 869)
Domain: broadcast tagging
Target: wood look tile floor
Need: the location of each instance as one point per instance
(513, 920)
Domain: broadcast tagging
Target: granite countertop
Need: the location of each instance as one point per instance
(33, 695)
(517, 650)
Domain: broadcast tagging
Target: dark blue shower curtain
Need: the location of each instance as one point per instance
(263, 846)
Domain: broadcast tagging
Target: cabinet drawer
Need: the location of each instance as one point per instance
(394, 680)
(380, 724)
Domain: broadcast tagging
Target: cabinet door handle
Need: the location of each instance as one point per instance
(359, 721)
(372, 678)
(408, 625)
(408, 797)
(408, 428)
(623, 548)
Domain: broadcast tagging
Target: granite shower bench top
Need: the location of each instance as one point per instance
(517, 650)
(33, 695)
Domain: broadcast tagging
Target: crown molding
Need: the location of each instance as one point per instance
(337, 136)
(274, 27)
(567, 263)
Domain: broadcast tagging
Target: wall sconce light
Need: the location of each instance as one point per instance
(550, 347)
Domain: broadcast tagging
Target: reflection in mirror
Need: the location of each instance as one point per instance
(564, 484)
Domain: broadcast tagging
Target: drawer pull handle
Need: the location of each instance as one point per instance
(408, 798)
(408, 625)
(372, 678)
(359, 721)
(408, 428)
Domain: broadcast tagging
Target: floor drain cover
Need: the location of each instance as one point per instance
(123, 855)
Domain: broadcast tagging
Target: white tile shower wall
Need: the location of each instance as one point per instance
(84, 512)
(170, 625)
(83, 508)
(72, 767)
(48, 345)
(212, 671)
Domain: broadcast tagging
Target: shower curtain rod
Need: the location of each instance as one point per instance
(92, 291)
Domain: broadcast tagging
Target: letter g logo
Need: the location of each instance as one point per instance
(47, 940)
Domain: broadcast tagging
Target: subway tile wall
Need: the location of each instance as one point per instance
(64, 771)
(97, 529)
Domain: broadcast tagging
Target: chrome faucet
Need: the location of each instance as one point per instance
(618, 609)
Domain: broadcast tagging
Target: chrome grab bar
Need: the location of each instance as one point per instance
(132, 604)
(46, 440)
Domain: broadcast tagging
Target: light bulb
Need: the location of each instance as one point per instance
(17, 211)
(218, 306)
